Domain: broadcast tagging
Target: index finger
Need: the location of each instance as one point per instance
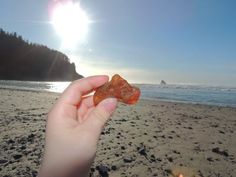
(73, 93)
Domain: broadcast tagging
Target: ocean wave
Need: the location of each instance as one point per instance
(222, 96)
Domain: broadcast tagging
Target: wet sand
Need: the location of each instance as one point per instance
(151, 138)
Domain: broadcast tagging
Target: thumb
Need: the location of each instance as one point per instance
(101, 113)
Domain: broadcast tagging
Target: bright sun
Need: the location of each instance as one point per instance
(70, 22)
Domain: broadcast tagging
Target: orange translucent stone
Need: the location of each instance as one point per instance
(117, 88)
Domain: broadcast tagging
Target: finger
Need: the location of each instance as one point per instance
(72, 95)
(85, 104)
(101, 114)
(85, 115)
(81, 112)
(88, 101)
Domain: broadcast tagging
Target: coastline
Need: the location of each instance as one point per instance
(152, 138)
(193, 94)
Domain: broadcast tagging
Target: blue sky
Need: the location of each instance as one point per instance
(184, 41)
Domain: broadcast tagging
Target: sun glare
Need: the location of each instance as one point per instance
(70, 22)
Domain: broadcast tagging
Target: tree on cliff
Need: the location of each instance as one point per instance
(20, 60)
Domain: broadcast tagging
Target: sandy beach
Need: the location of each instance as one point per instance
(147, 139)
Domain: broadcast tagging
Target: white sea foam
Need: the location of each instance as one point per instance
(212, 95)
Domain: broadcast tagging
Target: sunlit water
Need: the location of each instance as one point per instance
(222, 96)
(37, 86)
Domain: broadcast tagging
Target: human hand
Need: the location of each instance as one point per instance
(74, 126)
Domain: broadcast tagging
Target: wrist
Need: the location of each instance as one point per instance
(66, 170)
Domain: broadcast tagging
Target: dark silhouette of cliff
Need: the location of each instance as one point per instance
(21, 60)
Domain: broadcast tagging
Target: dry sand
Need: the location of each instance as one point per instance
(148, 139)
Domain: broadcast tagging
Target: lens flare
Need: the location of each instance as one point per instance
(70, 22)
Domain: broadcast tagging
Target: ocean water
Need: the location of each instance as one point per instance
(33, 85)
(221, 96)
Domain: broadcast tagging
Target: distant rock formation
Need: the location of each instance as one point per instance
(21, 60)
(163, 82)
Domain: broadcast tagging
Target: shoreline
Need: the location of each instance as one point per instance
(143, 99)
(151, 138)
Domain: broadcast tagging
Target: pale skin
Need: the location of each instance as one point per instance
(74, 126)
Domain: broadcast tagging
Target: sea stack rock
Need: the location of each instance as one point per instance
(163, 82)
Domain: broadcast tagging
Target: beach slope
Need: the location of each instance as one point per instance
(147, 139)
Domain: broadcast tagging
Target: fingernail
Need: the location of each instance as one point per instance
(109, 104)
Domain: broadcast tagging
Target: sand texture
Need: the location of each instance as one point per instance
(148, 139)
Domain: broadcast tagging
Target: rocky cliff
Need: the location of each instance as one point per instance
(21, 60)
